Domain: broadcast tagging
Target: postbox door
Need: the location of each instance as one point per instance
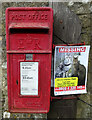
(38, 102)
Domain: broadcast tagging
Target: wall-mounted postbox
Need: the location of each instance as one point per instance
(29, 50)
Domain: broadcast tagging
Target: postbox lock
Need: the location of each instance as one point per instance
(29, 56)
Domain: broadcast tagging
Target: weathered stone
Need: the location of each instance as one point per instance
(85, 20)
(0, 39)
(86, 31)
(80, 8)
(6, 114)
(4, 65)
(83, 110)
(85, 38)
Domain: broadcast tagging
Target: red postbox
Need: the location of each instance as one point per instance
(29, 49)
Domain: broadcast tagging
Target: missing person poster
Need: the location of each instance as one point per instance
(70, 69)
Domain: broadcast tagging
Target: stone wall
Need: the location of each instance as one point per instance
(0, 66)
(84, 12)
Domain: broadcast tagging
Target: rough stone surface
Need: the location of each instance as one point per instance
(84, 13)
(0, 63)
(80, 8)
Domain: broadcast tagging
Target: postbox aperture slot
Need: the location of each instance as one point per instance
(14, 31)
(29, 27)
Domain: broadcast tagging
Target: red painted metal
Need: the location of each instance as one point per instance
(29, 26)
(64, 98)
(29, 30)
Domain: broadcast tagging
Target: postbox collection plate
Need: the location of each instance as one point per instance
(29, 51)
(29, 78)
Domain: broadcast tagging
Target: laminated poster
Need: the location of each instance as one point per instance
(70, 69)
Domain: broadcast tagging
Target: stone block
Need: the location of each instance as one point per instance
(80, 8)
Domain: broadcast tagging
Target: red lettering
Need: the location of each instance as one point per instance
(76, 49)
